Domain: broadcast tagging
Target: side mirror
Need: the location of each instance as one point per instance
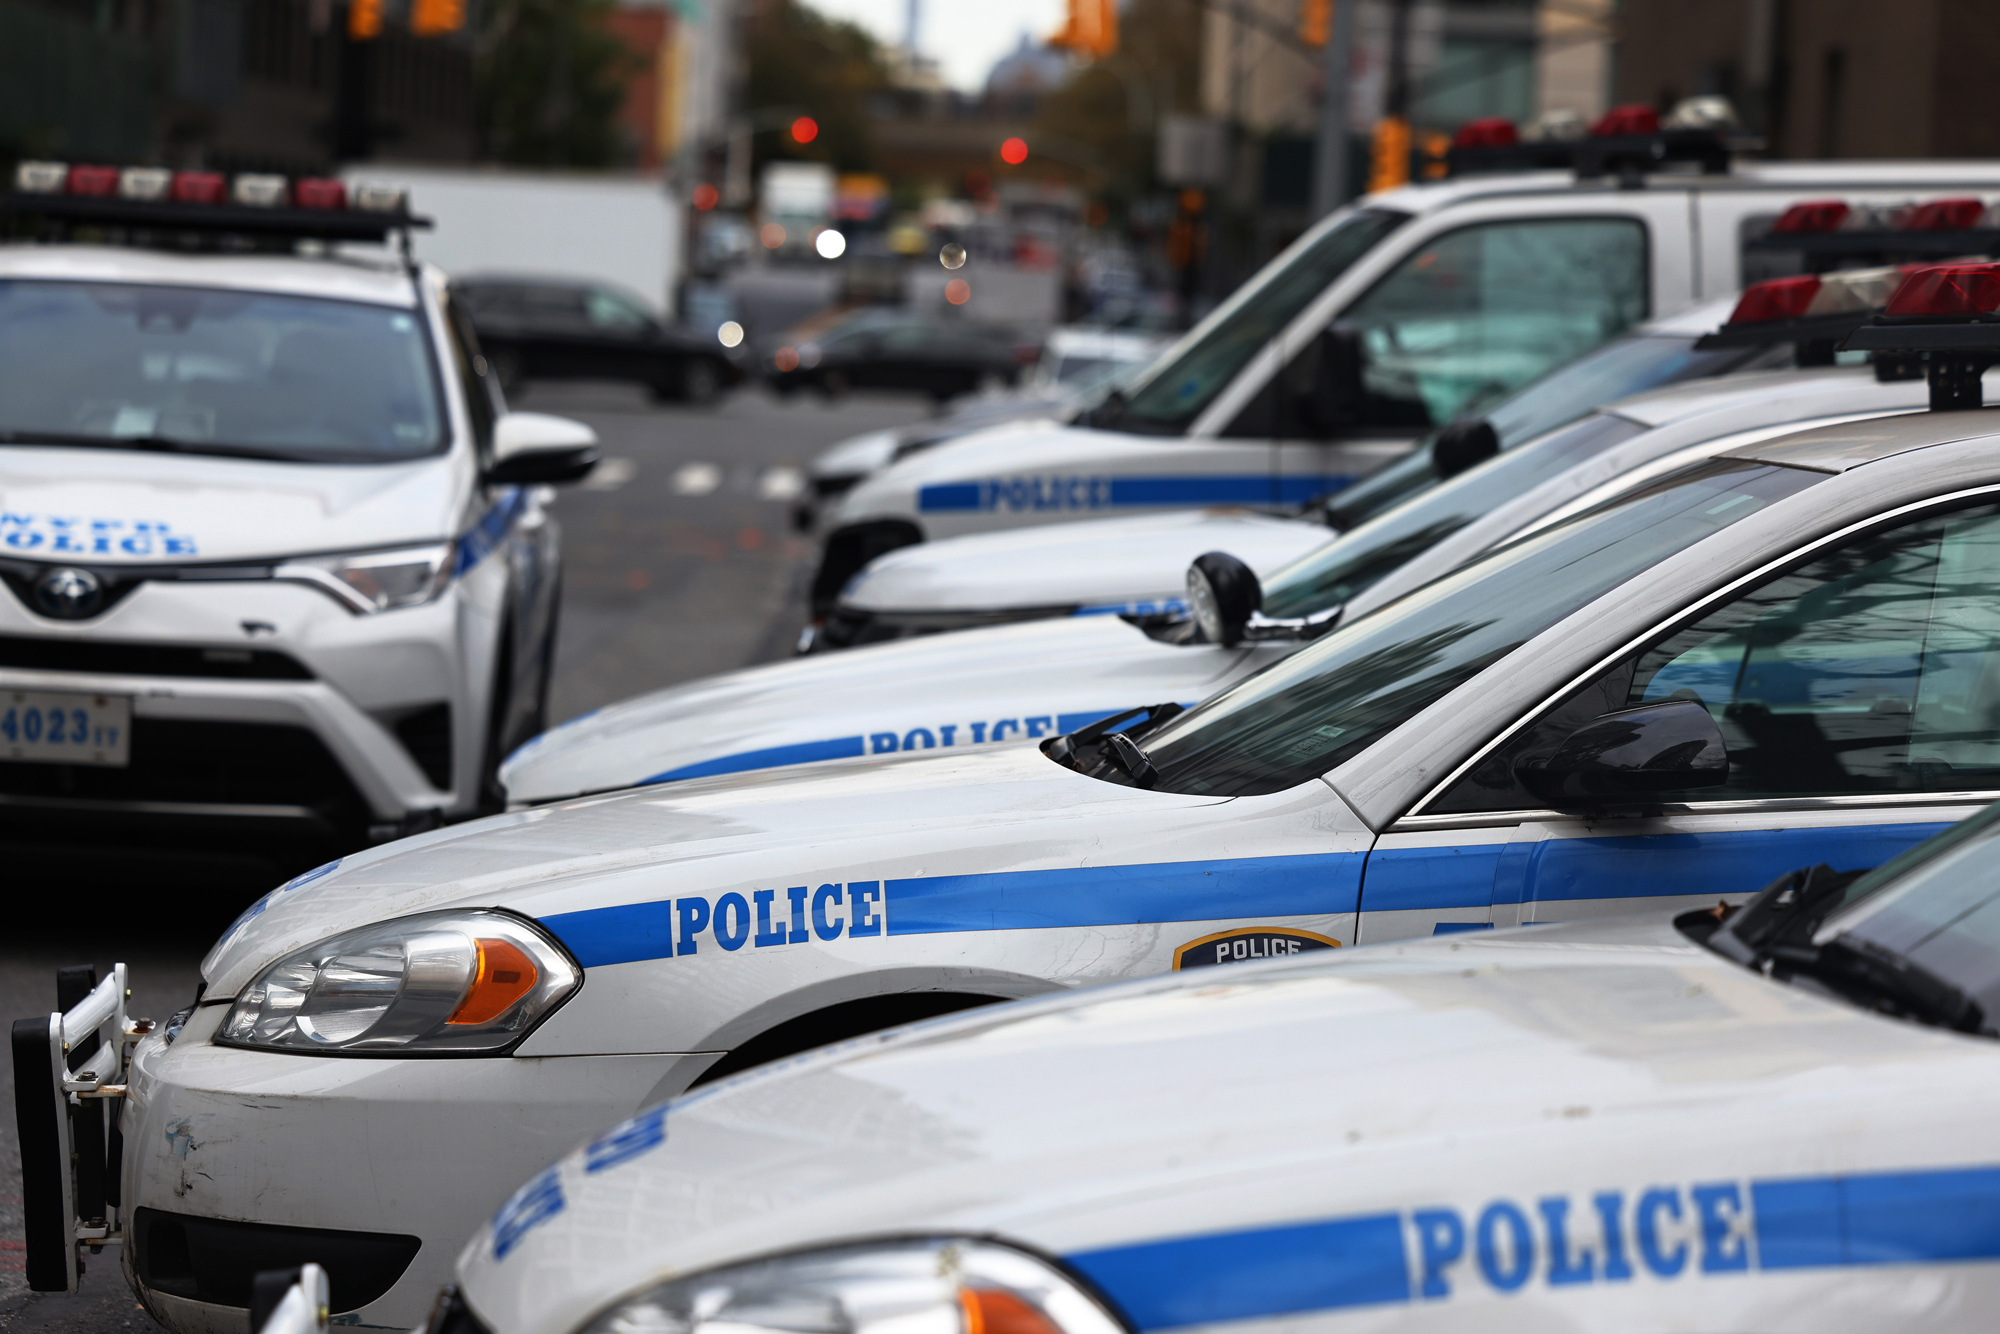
(1464, 444)
(533, 448)
(1223, 594)
(1337, 398)
(1630, 755)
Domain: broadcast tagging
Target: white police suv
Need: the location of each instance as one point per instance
(1137, 564)
(1778, 1122)
(1787, 653)
(1015, 683)
(280, 573)
(1397, 316)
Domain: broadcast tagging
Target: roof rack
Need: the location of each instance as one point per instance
(246, 220)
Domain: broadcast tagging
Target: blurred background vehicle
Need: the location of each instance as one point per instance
(554, 329)
(886, 348)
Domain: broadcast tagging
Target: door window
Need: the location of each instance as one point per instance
(612, 313)
(1476, 313)
(1872, 669)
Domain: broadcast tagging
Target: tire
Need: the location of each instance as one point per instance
(701, 384)
(836, 1023)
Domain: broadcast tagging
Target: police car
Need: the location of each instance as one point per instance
(281, 575)
(1018, 683)
(1784, 654)
(1781, 1122)
(1396, 316)
(1137, 565)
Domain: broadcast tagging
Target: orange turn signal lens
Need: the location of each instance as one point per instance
(505, 975)
(991, 1311)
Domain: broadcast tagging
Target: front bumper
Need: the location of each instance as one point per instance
(369, 1150)
(266, 719)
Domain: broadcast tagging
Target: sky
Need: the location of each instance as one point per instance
(965, 37)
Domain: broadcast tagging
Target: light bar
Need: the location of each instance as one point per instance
(156, 199)
(144, 183)
(1942, 316)
(1487, 132)
(1806, 309)
(1819, 215)
(1947, 291)
(1944, 215)
(1634, 118)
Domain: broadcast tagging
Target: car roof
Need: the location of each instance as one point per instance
(1830, 176)
(1673, 402)
(1840, 448)
(337, 279)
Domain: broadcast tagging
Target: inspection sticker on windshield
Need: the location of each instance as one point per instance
(48, 727)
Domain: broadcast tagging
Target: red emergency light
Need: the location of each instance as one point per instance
(1633, 118)
(93, 181)
(318, 192)
(199, 187)
(1819, 215)
(1775, 299)
(1948, 291)
(1943, 215)
(1487, 132)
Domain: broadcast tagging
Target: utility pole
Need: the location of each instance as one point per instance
(1330, 163)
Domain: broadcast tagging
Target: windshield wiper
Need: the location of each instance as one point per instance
(156, 444)
(1124, 752)
(1773, 932)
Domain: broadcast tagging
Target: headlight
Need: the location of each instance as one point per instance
(370, 581)
(439, 982)
(932, 1286)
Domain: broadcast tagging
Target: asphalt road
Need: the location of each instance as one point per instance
(679, 562)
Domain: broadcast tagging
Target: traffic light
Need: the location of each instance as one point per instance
(1315, 22)
(364, 20)
(429, 18)
(1091, 30)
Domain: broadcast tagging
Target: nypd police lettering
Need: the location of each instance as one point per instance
(1564, 1241)
(67, 535)
(962, 734)
(1022, 494)
(731, 921)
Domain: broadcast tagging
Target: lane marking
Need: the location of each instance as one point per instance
(610, 474)
(696, 479)
(784, 482)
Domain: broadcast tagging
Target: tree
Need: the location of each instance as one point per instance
(550, 80)
(828, 69)
(1108, 114)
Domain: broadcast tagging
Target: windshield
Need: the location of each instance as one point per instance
(209, 371)
(1173, 395)
(1618, 369)
(1308, 713)
(1337, 571)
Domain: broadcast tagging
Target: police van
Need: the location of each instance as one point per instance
(1398, 315)
(1782, 654)
(1017, 683)
(1781, 1121)
(280, 571)
(1137, 565)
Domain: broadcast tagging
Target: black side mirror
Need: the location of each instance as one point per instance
(1223, 593)
(1337, 399)
(1465, 443)
(1630, 755)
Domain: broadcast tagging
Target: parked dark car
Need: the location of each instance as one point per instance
(556, 329)
(895, 349)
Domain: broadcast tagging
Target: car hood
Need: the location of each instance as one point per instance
(1435, 1073)
(1049, 676)
(858, 455)
(544, 861)
(1113, 563)
(112, 506)
(1011, 447)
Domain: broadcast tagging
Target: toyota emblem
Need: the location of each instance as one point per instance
(69, 594)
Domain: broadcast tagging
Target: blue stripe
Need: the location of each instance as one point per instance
(479, 540)
(799, 752)
(626, 933)
(1198, 490)
(1884, 1218)
(1418, 879)
(1123, 895)
(1247, 1275)
(943, 496)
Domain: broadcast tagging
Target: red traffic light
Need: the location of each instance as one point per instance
(1014, 151)
(804, 130)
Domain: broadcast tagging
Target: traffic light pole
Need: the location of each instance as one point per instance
(1330, 166)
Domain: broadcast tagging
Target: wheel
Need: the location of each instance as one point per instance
(701, 385)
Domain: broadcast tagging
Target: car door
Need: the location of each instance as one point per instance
(1858, 694)
(623, 338)
(1463, 319)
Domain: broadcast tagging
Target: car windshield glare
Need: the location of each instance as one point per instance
(1333, 573)
(211, 371)
(1169, 398)
(1306, 714)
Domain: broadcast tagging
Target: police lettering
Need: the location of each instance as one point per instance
(763, 919)
(58, 535)
(1023, 494)
(1569, 1241)
(946, 735)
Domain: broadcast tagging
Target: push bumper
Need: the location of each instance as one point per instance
(378, 1169)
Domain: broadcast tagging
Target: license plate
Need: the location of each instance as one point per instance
(54, 728)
